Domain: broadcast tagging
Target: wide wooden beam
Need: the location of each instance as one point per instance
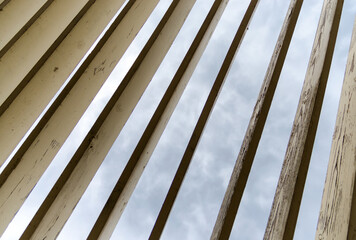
(36, 153)
(337, 218)
(72, 183)
(286, 203)
(235, 189)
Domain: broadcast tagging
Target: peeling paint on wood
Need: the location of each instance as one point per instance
(337, 218)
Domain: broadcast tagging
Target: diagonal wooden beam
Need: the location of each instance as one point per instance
(337, 218)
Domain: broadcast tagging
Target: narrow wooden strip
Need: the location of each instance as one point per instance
(33, 99)
(235, 189)
(199, 128)
(72, 183)
(44, 35)
(286, 203)
(16, 18)
(337, 214)
(37, 152)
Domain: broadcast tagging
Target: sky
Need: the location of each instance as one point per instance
(197, 205)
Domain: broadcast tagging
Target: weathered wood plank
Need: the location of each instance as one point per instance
(337, 214)
(285, 208)
(235, 189)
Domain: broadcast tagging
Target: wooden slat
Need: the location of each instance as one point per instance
(16, 18)
(72, 183)
(37, 152)
(286, 203)
(337, 218)
(235, 189)
(33, 99)
(44, 35)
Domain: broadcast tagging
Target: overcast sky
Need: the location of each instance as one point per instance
(195, 211)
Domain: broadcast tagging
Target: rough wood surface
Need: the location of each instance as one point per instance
(337, 213)
(232, 198)
(285, 208)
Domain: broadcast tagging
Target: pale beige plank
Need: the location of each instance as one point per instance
(337, 213)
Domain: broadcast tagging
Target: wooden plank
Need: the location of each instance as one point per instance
(235, 189)
(33, 99)
(337, 213)
(72, 183)
(37, 152)
(44, 35)
(199, 128)
(16, 18)
(286, 203)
